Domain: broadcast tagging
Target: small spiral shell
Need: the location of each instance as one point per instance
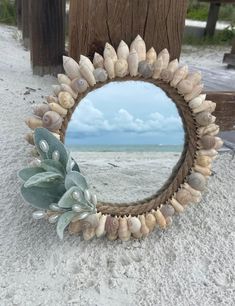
(52, 121)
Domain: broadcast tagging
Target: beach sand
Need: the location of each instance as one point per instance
(191, 263)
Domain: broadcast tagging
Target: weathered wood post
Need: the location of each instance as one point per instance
(25, 23)
(94, 22)
(19, 14)
(47, 35)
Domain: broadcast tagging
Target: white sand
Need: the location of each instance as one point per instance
(191, 263)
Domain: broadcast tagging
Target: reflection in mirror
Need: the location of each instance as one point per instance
(126, 137)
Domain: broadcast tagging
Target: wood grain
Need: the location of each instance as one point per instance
(25, 23)
(92, 23)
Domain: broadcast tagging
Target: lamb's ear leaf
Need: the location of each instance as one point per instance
(71, 164)
(42, 179)
(42, 197)
(63, 222)
(75, 167)
(53, 166)
(75, 179)
(54, 144)
(27, 173)
(67, 200)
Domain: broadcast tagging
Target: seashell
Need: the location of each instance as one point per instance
(195, 78)
(66, 100)
(211, 130)
(63, 79)
(205, 118)
(88, 233)
(110, 52)
(123, 231)
(164, 54)
(52, 99)
(161, 221)
(211, 152)
(206, 105)
(144, 229)
(90, 221)
(203, 161)
(52, 121)
(207, 142)
(40, 110)
(195, 103)
(68, 89)
(167, 210)
(203, 170)
(30, 138)
(168, 221)
(197, 181)
(79, 85)
(194, 93)
(59, 109)
(145, 69)
(87, 74)
(100, 75)
(121, 68)
(139, 46)
(194, 192)
(179, 75)
(100, 230)
(123, 50)
(33, 122)
(168, 73)
(184, 87)
(157, 66)
(109, 66)
(151, 56)
(219, 143)
(183, 196)
(177, 206)
(150, 221)
(134, 225)
(111, 227)
(71, 68)
(56, 89)
(133, 63)
(75, 227)
(85, 60)
(98, 60)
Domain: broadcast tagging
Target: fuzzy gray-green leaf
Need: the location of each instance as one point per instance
(42, 179)
(63, 222)
(75, 179)
(67, 200)
(53, 166)
(27, 173)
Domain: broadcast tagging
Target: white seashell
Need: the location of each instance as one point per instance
(34, 122)
(164, 54)
(121, 68)
(203, 170)
(133, 63)
(87, 74)
(177, 206)
(85, 60)
(184, 87)
(66, 100)
(158, 66)
(59, 109)
(168, 73)
(109, 51)
(194, 93)
(161, 221)
(211, 152)
(195, 78)
(67, 88)
(71, 67)
(79, 85)
(219, 143)
(52, 99)
(151, 56)
(134, 225)
(98, 60)
(56, 89)
(206, 105)
(109, 66)
(139, 46)
(123, 50)
(63, 79)
(195, 103)
(100, 230)
(100, 75)
(179, 75)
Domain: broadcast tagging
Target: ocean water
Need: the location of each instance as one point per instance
(126, 148)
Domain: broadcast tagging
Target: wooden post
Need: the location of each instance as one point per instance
(92, 23)
(212, 19)
(19, 14)
(47, 36)
(25, 23)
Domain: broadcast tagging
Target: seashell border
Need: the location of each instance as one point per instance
(190, 175)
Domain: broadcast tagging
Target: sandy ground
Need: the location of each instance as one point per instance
(192, 263)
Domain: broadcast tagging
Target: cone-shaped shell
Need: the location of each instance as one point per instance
(71, 68)
(179, 75)
(67, 88)
(167, 210)
(205, 118)
(109, 66)
(52, 99)
(168, 73)
(121, 68)
(133, 63)
(151, 56)
(157, 66)
(87, 74)
(63, 79)
(207, 142)
(123, 50)
(100, 230)
(111, 227)
(184, 87)
(52, 121)
(56, 89)
(211, 129)
(29, 137)
(183, 196)
(211, 152)
(197, 181)
(194, 192)
(150, 221)
(161, 221)
(139, 45)
(177, 206)
(194, 93)
(100, 75)
(134, 225)
(195, 78)
(203, 161)
(195, 103)
(59, 109)
(144, 229)
(206, 105)
(40, 110)
(205, 171)
(123, 231)
(88, 233)
(85, 60)
(79, 85)
(98, 61)
(33, 122)
(66, 100)
(164, 54)
(219, 143)
(145, 69)
(75, 227)
(110, 52)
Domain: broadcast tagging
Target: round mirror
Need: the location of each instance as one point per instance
(127, 138)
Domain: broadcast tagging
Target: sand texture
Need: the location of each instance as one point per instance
(191, 263)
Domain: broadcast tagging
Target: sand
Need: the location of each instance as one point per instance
(191, 263)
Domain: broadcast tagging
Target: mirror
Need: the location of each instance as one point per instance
(126, 137)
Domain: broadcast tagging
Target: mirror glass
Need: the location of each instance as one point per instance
(126, 138)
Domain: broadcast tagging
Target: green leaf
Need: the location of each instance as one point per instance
(71, 164)
(53, 166)
(27, 173)
(67, 200)
(75, 179)
(42, 179)
(63, 222)
(42, 197)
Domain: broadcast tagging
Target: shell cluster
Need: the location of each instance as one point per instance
(135, 61)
